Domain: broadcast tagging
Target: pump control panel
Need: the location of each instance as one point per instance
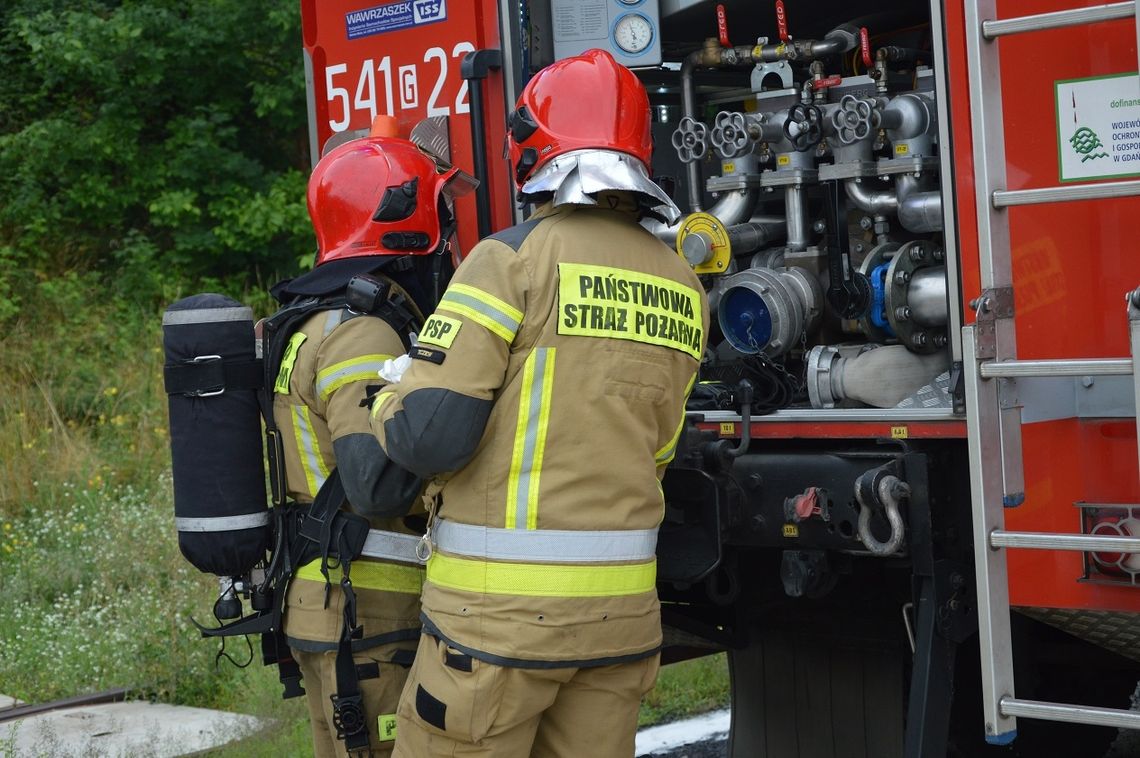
(629, 29)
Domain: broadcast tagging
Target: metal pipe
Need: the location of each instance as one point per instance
(730, 209)
(1086, 367)
(1006, 198)
(689, 108)
(1057, 19)
(751, 235)
(927, 297)
(921, 212)
(1073, 714)
(871, 201)
(841, 39)
(1054, 541)
(796, 214)
(916, 211)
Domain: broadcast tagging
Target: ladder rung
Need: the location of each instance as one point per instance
(1006, 198)
(1054, 541)
(1057, 19)
(1074, 714)
(1073, 367)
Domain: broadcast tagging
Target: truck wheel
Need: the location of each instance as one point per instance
(795, 699)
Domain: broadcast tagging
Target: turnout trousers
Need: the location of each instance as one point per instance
(381, 694)
(456, 705)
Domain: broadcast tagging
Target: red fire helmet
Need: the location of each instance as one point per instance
(589, 101)
(377, 196)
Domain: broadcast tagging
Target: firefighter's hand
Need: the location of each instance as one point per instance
(394, 368)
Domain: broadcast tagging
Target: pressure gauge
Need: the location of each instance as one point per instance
(633, 33)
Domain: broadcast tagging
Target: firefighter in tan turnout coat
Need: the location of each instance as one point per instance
(545, 398)
(374, 202)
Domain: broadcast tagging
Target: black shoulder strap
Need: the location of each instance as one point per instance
(394, 308)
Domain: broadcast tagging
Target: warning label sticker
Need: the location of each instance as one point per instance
(1098, 127)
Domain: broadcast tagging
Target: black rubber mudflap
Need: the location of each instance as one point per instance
(798, 699)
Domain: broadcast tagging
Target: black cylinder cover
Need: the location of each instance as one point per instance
(215, 436)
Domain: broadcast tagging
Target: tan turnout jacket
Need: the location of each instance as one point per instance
(330, 361)
(548, 391)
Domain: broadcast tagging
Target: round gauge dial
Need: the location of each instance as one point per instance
(630, 2)
(633, 33)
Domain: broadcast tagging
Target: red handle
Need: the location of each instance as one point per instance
(782, 20)
(865, 46)
(722, 26)
(830, 81)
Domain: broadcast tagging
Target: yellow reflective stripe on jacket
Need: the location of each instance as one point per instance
(370, 575)
(281, 386)
(379, 400)
(540, 579)
(356, 369)
(483, 308)
(312, 462)
(665, 454)
(530, 439)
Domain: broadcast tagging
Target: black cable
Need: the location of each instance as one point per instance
(222, 650)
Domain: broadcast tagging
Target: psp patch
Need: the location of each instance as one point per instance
(387, 727)
(390, 17)
(440, 331)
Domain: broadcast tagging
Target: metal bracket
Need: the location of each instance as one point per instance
(991, 305)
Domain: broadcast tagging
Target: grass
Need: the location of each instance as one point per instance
(96, 593)
(685, 689)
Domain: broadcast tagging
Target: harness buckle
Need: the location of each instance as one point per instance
(211, 392)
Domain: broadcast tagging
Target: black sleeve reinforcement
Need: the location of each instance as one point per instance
(437, 430)
(375, 486)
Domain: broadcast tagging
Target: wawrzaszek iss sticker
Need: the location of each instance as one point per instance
(392, 16)
(1098, 127)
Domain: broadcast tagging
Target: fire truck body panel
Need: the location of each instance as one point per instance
(1071, 269)
(833, 531)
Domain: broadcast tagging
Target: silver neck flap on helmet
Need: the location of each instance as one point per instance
(574, 179)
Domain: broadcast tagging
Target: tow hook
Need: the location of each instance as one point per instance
(879, 490)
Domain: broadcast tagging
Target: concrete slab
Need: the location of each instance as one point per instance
(6, 701)
(154, 730)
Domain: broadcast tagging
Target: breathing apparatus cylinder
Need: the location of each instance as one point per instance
(212, 375)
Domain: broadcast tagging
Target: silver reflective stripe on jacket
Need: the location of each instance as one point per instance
(544, 545)
(391, 546)
(222, 523)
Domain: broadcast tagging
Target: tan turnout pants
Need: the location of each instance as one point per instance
(455, 705)
(381, 695)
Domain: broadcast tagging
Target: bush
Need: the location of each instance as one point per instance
(150, 141)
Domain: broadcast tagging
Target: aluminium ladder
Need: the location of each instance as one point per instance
(989, 358)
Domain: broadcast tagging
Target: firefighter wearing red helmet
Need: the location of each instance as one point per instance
(544, 400)
(377, 209)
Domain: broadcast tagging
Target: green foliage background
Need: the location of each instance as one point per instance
(149, 149)
(150, 145)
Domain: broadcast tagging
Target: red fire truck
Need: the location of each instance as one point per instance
(919, 532)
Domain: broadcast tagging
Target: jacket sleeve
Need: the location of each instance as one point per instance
(347, 364)
(432, 421)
